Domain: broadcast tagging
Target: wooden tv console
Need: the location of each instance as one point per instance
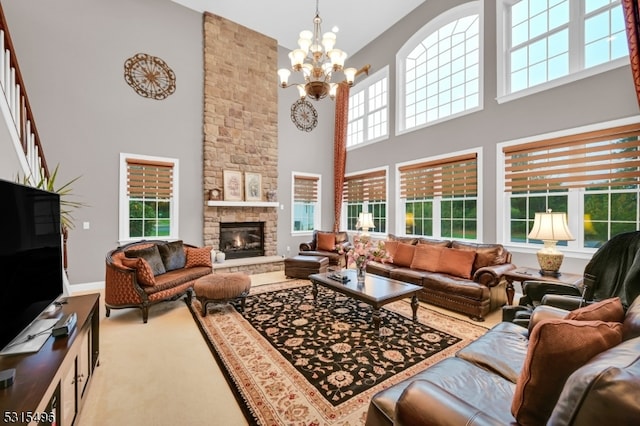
(50, 385)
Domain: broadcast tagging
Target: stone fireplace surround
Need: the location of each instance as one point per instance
(240, 131)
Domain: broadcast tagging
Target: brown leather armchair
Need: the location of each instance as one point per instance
(320, 246)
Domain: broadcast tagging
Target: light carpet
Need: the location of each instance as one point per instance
(291, 360)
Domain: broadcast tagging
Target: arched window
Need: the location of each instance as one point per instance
(440, 69)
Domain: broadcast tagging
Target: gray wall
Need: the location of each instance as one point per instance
(71, 54)
(595, 99)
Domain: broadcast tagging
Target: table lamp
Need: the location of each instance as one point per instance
(550, 228)
(365, 221)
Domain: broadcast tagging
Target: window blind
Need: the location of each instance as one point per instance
(149, 179)
(305, 189)
(371, 186)
(453, 176)
(607, 158)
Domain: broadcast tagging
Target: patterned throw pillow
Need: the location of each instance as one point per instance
(144, 274)
(557, 348)
(609, 310)
(198, 256)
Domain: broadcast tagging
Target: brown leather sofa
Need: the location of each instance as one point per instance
(132, 284)
(476, 292)
(479, 384)
(332, 245)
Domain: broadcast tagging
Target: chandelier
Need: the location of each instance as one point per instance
(318, 59)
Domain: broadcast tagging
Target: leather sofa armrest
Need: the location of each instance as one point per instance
(423, 403)
(308, 246)
(568, 303)
(343, 246)
(536, 290)
(543, 312)
(491, 275)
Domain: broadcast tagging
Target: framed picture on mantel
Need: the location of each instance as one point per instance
(252, 186)
(232, 185)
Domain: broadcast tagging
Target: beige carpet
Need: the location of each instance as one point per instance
(163, 373)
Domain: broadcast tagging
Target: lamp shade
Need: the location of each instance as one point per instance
(549, 226)
(366, 220)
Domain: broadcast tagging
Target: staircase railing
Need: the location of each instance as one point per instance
(13, 89)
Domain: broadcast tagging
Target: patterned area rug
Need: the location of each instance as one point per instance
(291, 361)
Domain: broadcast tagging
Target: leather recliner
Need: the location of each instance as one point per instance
(613, 271)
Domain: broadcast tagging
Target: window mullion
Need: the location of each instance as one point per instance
(576, 35)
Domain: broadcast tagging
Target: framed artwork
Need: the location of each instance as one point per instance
(252, 186)
(232, 185)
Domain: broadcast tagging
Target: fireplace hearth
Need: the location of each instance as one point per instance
(242, 239)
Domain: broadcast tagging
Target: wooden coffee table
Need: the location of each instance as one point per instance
(376, 291)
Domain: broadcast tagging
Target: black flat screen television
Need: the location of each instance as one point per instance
(30, 256)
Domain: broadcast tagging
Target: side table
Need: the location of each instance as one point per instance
(524, 273)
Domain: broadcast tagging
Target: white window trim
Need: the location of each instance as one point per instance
(437, 22)
(317, 216)
(501, 40)
(343, 217)
(365, 85)
(123, 199)
(573, 249)
(400, 205)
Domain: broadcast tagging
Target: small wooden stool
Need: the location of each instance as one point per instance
(303, 266)
(218, 288)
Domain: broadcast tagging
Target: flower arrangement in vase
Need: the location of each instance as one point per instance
(364, 251)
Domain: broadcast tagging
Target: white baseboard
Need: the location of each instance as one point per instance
(79, 288)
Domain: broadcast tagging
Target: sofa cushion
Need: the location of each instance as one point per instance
(460, 287)
(404, 255)
(144, 274)
(176, 278)
(608, 310)
(325, 241)
(432, 242)
(198, 256)
(407, 240)
(556, 349)
(456, 262)
(151, 255)
(501, 350)
(173, 255)
(426, 257)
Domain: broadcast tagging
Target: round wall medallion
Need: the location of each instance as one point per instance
(304, 115)
(149, 76)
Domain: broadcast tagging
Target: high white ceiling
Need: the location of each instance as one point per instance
(359, 21)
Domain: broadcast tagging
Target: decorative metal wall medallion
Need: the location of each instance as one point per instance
(304, 115)
(149, 76)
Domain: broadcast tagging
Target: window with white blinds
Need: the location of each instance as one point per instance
(306, 202)
(593, 176)
(148, 197)
(366, 192)
(440, 197)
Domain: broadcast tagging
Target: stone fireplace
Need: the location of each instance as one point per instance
(240, 133)
(242, 239)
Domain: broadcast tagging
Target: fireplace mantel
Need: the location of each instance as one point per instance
(213, 203)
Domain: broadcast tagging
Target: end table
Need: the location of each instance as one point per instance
(524, 273)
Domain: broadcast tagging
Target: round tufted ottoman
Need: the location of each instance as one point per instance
(215, 288)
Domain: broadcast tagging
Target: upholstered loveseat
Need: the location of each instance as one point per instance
(144, 273)
(332, 245)
(577, 368)
(460, 276)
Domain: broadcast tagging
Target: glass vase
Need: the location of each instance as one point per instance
(361, 272)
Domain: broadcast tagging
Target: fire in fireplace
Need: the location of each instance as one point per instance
(242, 239)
